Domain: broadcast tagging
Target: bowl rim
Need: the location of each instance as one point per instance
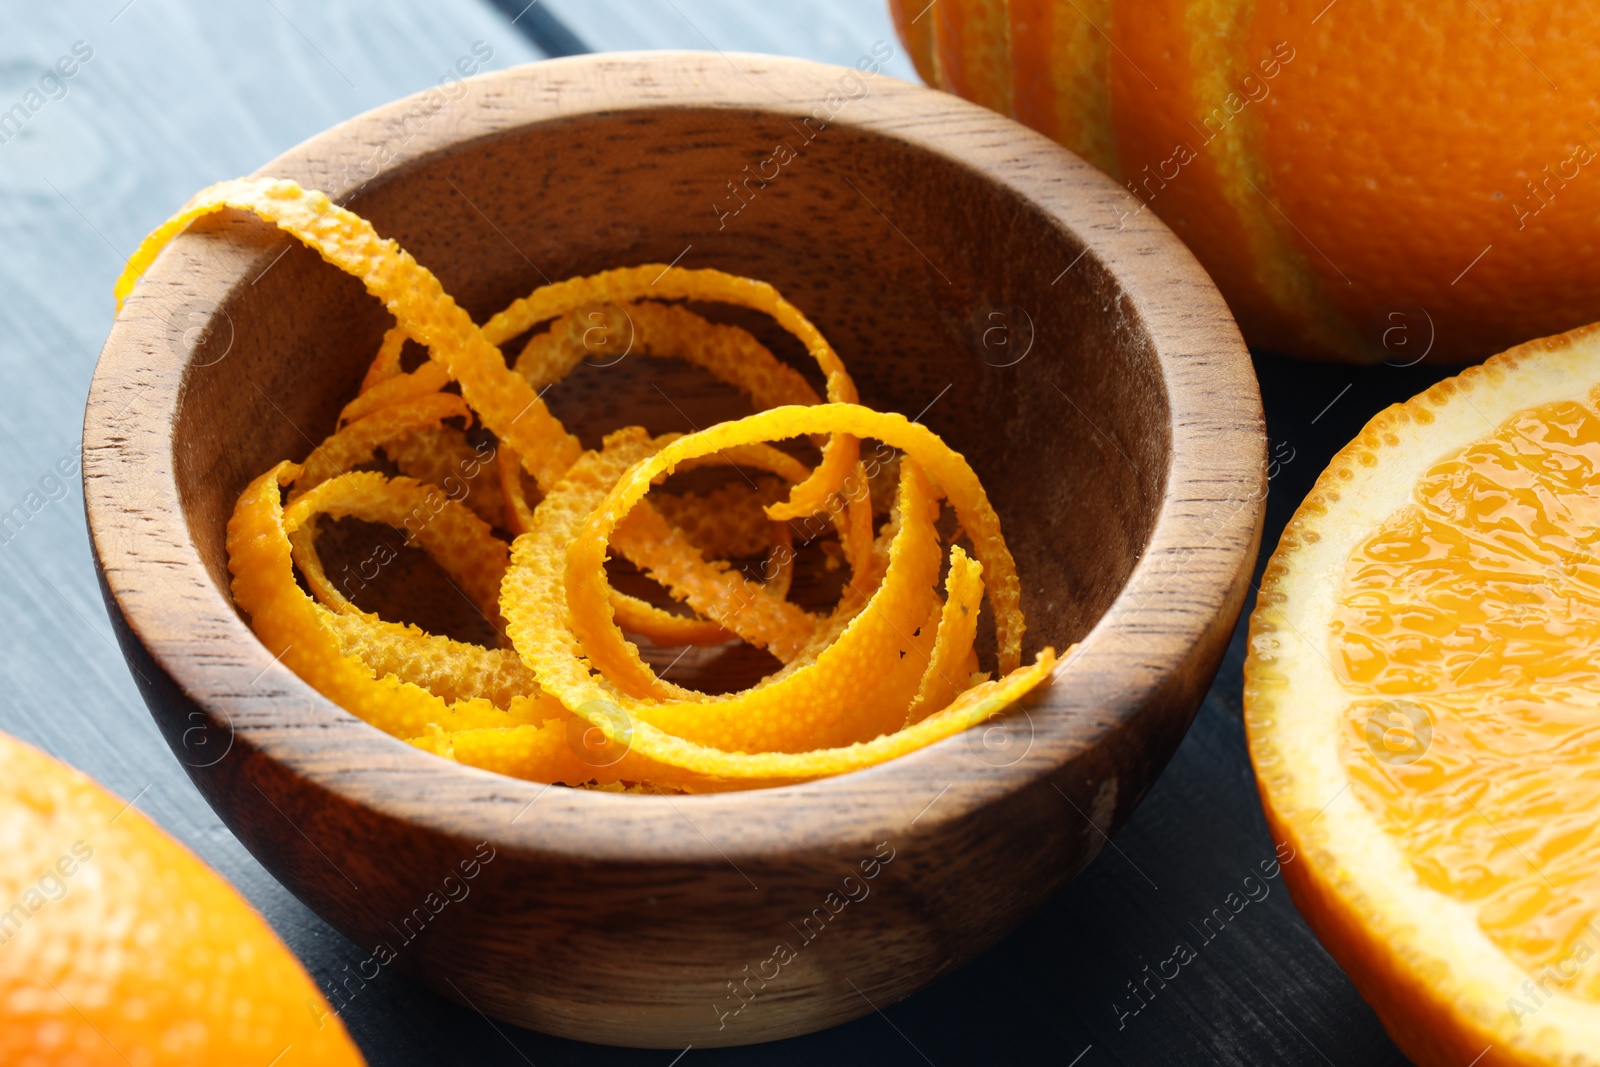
(1203, 539)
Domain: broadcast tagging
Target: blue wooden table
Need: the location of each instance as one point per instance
(167, 96)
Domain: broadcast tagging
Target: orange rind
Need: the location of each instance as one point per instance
(892, 667)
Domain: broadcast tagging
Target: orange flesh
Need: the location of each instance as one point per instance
(1479, 604)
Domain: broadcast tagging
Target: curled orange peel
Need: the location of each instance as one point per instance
(953, 661)
(503, 400)
(637, 616)
(650, 328)
(518, 516)
(973, 706)
(572, 751)
(892, 668)
(729, 353)
(777, 570)
(352, 445)
(657, 281)
(809, 707)
(561, 512)
(465, 548)
(386, 364)
(716, 591)
(449, 669)
(727, 522)
(460, 542)
(732, 606)
(358, 442)
(445, 457)
(295, 629)
(948, 469)
(428, 378)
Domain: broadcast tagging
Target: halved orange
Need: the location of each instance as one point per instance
(1422, 697)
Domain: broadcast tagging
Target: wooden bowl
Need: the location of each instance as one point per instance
(967, 269)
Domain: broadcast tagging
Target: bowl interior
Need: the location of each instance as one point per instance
(947, 295)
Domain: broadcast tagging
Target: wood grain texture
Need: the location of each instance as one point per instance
(1123, 451)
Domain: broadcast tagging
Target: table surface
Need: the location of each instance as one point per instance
(180, 93)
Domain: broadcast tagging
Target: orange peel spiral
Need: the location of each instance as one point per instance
(891, 668)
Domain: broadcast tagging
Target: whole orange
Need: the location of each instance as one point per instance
(118, 946)
(1364, 179)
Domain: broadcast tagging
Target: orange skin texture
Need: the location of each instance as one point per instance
(916, 30)
(971, 42)
(1403, 203)
(1033, 26)
(1394, 148)
(1152, 104)
(326, 642)
(1048, 37)
(141, 954)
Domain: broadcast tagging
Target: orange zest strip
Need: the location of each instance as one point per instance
(587, 483)
(503, 400)
(727, 522)
(953, 660)
(635, 615)
(735, 606)
(571, 751)
(977, 704)
(805, 708)
(946, 466)
(649, 328)
(849, 512)
(428, 378)
(729, 353)
(518, 516)
(450, 670)
(884, 697)
(748, 609)
(358, 442)
(777, 570)
(444, 457)
(386, 364)
(657, 281)
(292, 626)
(351, 446)
(545, 753)
(458, 540)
